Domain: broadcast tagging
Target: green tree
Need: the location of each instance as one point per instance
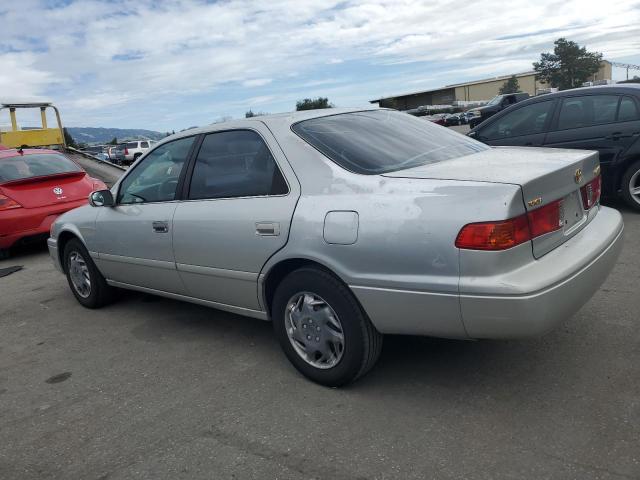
(569, 66)
(312, 104)
(114, 141)
(249, 114)
(68, 139)
(510, 86)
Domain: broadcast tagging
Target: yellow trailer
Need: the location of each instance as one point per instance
(32, 137)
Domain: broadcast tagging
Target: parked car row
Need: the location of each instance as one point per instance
(121, 154)
(342, 225)
(603, 118)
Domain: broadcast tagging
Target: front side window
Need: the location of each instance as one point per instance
(628, 110)
(235, 164)
(155, 179)
(379, 141)
(527, 120)
(35, 165)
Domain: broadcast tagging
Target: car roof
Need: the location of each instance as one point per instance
(618, 89)
(13, 152)
(288, 118)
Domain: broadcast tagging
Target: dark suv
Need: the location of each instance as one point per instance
(605, 118)
(495, 105)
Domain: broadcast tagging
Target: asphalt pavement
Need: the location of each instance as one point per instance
(150, 388)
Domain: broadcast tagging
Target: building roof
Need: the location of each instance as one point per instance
(473, 82)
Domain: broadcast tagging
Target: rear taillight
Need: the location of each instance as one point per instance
(7, 203)
(509, 233)
(126, 151)
(494, 235)
(591, 192)
(545, 219)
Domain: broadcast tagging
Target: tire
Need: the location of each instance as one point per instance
(136, 157)
(631, 179)
(4, 253)
(361, 342)
(99, 293)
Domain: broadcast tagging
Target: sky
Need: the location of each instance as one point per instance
(168, 65)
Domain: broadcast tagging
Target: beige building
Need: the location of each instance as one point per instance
(479, 90)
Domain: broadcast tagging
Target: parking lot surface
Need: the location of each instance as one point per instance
(153, 388)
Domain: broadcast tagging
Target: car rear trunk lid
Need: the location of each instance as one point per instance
(544, 176)
(50, 190)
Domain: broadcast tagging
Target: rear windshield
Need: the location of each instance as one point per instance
(36, 165)
(380, 141)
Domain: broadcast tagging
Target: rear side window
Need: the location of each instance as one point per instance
(577, 112)
(628, 110)
(527, 120)
(235, 164)
(37, 165)
(380, 141)
(132, 145)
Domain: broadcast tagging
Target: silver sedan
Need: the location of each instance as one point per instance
(340, 226)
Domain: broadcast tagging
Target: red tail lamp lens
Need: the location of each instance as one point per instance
(7, 203)
(545, 219)
(494, 235)
(509, 233)
(591, 192)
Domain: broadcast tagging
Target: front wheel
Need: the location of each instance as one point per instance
(631, 186)
(85, 280)
(322, 328)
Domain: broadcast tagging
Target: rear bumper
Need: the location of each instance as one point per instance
(30, 222)
(552, 288)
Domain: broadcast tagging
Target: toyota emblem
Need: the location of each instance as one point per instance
(57, 191)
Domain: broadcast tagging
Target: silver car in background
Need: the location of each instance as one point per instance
(341, 226)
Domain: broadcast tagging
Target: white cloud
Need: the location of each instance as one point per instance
(137, 60)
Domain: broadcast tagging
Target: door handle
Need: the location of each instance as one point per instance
(268, 228)
(617, 136)
(160, 227)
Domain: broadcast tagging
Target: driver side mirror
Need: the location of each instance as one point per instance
(101, 198)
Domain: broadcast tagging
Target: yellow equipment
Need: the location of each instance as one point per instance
(32, 137)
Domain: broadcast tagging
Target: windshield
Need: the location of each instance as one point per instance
(36, 165)
(495, 100)
(380, 141)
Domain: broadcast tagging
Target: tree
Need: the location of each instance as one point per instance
(312, 104)
(569, 66)
(250, 113)
(114, 141)
(510, 86)
(68, 139)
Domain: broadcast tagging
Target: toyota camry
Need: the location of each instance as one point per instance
(341, 226)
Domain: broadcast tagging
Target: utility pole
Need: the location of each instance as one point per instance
(626, 65)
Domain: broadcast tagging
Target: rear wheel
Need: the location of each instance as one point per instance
(136, 157)
(86, 282)
(322, 329)
(631, 186)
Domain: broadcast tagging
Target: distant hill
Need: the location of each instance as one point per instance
(104, 135)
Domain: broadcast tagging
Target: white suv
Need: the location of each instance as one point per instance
(132, 150)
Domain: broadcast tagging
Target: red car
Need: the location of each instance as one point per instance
(35, 187)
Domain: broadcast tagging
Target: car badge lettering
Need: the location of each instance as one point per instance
(535, 202)
(578, 175)
(57, 191)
